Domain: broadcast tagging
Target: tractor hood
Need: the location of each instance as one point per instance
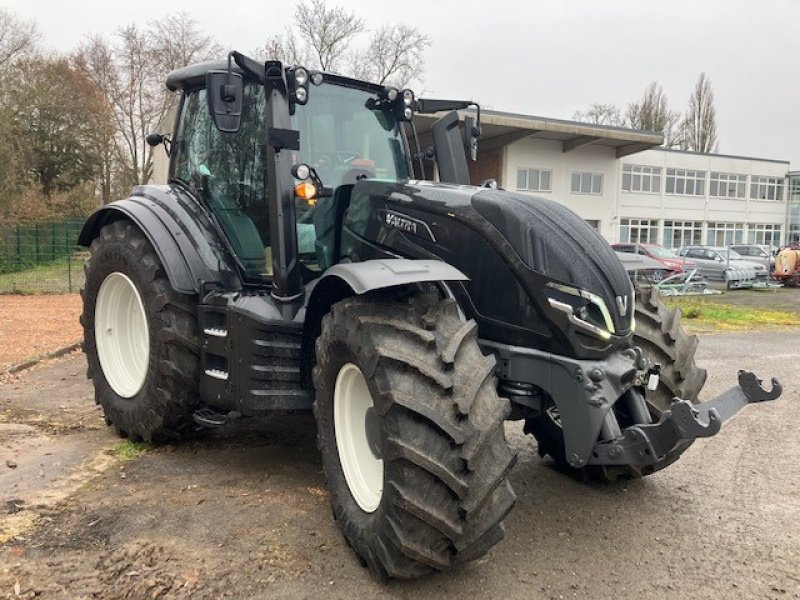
(553, 240)
(536, 269)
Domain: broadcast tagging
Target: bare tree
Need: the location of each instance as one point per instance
(130, 71)
(178, 41)
(16, 37)
(652, 113)
(125, 72)
(601, 114)
(287, 49)
(328, 31)
(698, 130)
(394, 56)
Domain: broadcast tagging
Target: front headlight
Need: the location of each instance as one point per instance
(579, 305)
(586, 310)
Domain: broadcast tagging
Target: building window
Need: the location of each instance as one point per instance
(722, 234)
(594, 224)
(587, 183)
(766, 188)
(794, 189)
(727, 185)
(761, 233)
(794, 209)
(685, 182)
(641, 178)
(682, 233)
(794, 234)
(534, 180)
(643, 231)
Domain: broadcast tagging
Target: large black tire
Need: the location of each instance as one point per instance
(445, 491)
(662, 339)
(161, 410)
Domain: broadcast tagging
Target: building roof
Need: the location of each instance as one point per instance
(736, 156)
(502, 128)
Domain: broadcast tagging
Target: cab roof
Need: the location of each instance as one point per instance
(195, 76)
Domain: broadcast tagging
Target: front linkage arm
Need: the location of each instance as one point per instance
(658, 443)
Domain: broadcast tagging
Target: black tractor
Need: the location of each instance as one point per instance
(297, 260)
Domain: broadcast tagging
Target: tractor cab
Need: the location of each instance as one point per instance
(336, 131)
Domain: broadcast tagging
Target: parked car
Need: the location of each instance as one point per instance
(758, 252)
(672, 262)
(714, 261)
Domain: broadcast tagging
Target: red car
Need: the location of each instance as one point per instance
(672, 262)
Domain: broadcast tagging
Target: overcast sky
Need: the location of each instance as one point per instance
(543, 57)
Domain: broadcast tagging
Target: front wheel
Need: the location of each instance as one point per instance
(410, 428)
(140, 338)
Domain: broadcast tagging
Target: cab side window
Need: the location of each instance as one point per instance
(227, 172)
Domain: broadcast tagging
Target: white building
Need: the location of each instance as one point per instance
(631, 189)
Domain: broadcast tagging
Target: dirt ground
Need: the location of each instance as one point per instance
(32, 326)
(244, 513)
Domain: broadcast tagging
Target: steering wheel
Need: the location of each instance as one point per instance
(337, 157)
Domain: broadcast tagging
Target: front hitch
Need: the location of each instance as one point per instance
(659, 443)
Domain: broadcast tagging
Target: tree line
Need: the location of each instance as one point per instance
(74, 124)
(694, 130)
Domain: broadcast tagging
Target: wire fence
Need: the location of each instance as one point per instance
(41, 257)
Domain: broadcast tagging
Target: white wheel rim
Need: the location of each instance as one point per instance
(363, 471)
(121, 335)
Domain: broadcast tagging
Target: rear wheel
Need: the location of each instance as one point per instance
(662, 339)
(140, 337)
(410, 428)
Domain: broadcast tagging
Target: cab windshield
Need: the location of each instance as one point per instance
(344, 139)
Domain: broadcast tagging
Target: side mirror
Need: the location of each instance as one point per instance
(449, 148)
(224, 91)
(471, 133)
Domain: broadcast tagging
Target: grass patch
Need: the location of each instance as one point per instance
(129, 450)
(58, 276)
(704, 315)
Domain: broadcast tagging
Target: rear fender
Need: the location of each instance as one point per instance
(182, 235)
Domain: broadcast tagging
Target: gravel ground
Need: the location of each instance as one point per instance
(32, 326)
(244, 512)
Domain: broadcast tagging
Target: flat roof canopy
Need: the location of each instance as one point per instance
(499, 129)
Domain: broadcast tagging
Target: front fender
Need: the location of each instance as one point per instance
(347, 279)
(180, 232)
(377, 274)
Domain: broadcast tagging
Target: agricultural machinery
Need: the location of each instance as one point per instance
(298, 261)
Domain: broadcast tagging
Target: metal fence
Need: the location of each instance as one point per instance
(41, 257)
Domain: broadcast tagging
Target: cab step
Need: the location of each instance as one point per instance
(208, 417)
